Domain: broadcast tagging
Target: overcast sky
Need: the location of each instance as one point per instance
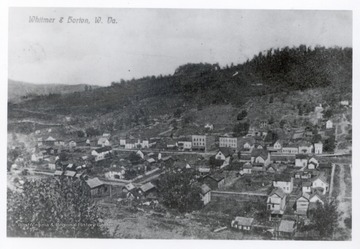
(156, 41)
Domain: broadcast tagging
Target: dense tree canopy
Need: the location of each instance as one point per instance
(53, 208)
(325, 219)
(179, 190)
(277, 70)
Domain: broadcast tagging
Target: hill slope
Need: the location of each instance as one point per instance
(18, 90)
(278, 72)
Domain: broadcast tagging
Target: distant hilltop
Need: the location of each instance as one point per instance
(18, 90)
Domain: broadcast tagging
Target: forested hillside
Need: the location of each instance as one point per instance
(196, 85)
(18, 90)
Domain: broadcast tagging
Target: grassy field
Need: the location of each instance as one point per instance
(348, 181)
(336, 186)
(143, 225)
(257, 182)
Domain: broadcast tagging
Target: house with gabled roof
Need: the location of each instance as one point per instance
(313, 163)
(317, 197)
(285, 182)
(181, 165)
(104, 142)
(242, 223)
(223, 154)
(140, 154)
(260, 156)
(306, 186)
(247, 168)
(329, 124)
(184, 144)
(320, 182)
(318, 147)
(305, 147)
(301, 160)
(278, 145)
(302, 203)
(97, 187)
(276, 202)
(272, 168)
(147, 189)
(205, 194)
(50, 141)
(100, 153)
(248, 143)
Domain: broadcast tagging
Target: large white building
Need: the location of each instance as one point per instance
(228, 142)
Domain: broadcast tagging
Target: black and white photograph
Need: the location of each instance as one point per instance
(179, 124)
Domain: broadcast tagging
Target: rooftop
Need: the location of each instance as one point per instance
(94, 182)
(277, 191)
(147, 187)
(287, 226)
(260, 152)
(243, 221)
(205, 189)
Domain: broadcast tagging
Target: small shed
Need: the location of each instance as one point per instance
(242, 223)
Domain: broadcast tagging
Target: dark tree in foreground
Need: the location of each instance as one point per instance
(53, 208)
(325, 219)
(179, 190)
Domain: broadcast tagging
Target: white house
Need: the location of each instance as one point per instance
(103, 141)
(286, 183)
(315, 197)
(344, 102)
(276, 201)
(129, 145)
(329, 124)
(100, 153)
(305, 148)
(223, 154)
(320, 182)
(122, 142)
(278, 145)
(115, 174)
(231, 142)
(205, 194)
(318, 148)
(142, 144)
(140, 154)
(209, 126)
(289, 150)
(313, 163)
(260, 156)
(247, 168)
(36, 157)
(302, 204)
(306, 187)
(301, 160)
(184, 145)
(242, 223)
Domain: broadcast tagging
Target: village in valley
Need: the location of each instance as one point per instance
(267, 182)
(160, 123)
